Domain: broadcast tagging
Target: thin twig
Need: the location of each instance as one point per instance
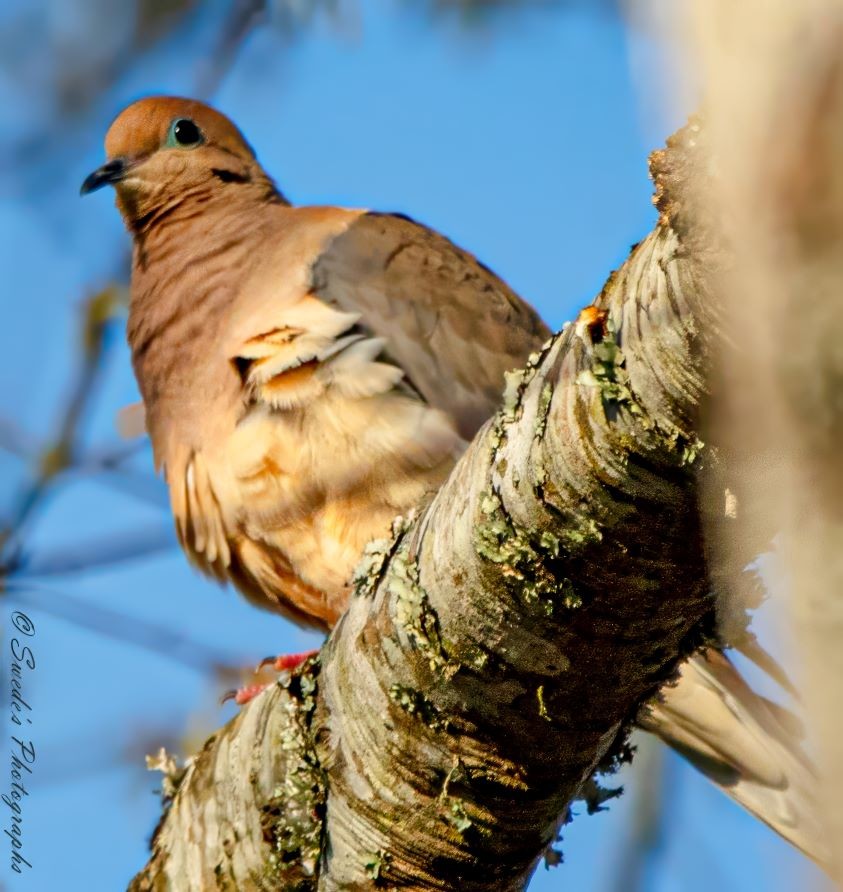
(141, 486)
(148, 636)
(99, 553)
(241, 20)
(111, 455)
(98, 317)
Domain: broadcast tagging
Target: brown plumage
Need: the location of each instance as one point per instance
(308, 373)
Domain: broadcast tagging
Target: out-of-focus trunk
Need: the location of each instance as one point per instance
(771, 75)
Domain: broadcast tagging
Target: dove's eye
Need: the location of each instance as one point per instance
(184, 133)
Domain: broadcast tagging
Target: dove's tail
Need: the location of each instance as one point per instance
(745, 744)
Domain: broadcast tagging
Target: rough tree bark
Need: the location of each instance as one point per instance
(499, 646)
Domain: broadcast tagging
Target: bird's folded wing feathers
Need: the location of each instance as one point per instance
(448, 321)
(361, 300)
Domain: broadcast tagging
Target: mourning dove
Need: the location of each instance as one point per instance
(309, 373)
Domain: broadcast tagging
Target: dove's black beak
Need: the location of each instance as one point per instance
(108, 174)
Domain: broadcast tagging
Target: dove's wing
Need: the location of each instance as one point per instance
(448, 321)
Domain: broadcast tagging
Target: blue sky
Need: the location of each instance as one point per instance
(526, 143)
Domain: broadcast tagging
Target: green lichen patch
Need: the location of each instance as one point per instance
(377, 864)
(568, 595)
(477, 659)
(515, 386)
(690, 450)
(415, 703)
(549, 542)
(687, 447)
(609, 374)
(413, 611)
(454, 807)
(369, 571)
(515, 383)
(525, 558)
(471, 655)
(293, 818)
(498, 540)
(581, 533)
(543, 410)
(457, 817)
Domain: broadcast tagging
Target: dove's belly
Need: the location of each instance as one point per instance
(287, 507)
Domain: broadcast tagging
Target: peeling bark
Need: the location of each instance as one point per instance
(499, 647)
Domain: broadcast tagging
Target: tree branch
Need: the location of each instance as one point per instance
(500, 645)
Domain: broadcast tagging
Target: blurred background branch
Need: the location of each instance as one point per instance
(774, 108)
(97, 324)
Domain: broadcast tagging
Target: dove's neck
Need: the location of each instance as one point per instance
(187, 267)
(154, 213)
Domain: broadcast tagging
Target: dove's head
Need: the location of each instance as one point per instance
(163, 149)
